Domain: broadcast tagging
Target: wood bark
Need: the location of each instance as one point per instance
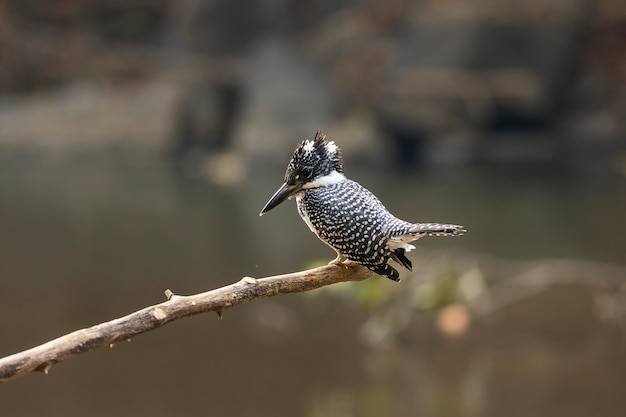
(42, 357)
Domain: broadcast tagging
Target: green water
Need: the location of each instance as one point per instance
(82, 243)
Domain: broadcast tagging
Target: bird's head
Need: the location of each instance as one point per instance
(315, 163)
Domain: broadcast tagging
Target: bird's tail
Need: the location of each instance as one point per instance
(437, 229)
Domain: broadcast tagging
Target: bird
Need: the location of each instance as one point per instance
(345, 215)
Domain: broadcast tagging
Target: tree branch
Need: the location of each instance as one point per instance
(42, 357)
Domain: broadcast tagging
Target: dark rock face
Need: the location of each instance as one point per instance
(448, 83)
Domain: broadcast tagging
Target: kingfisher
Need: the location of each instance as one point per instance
(345, 215)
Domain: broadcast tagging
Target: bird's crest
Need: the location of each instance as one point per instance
(313, 159)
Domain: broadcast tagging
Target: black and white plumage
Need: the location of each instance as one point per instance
(346, 216)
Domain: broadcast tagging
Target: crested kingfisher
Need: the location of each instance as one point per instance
(346, 216)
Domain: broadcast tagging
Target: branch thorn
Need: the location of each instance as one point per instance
(248, 281)
(45, 368)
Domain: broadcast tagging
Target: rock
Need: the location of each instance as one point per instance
(90, 117)
(286, 98)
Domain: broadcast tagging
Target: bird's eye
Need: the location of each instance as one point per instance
(306, 173)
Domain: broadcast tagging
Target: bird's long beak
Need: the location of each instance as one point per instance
(283, 193)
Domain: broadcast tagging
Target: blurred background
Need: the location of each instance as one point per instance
(140, 139)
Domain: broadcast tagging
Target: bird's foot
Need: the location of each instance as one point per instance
(338, 260)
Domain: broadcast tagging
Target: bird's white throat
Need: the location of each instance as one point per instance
(333, 178)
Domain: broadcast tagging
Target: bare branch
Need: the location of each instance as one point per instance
(42, 357)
